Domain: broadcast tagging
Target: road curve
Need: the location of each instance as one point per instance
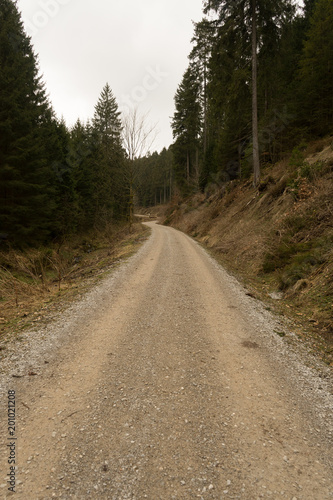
(168, 382)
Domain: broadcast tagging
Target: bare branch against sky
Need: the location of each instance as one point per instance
(139, 134)
(139, 48)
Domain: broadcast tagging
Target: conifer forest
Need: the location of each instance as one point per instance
(259, 81)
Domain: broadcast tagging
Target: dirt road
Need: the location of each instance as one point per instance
(167, 382)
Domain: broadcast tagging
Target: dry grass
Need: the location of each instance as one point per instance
(30, 280)
(277, 237)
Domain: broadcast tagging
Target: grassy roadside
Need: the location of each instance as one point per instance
(300, 319)
(277, 240)
(38, 283)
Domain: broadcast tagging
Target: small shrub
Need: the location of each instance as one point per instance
(214, 212)
(311, 171)
(319, 147)
(292, 275)
(279, 258)
(297, 158)
(294, 259)
(296, 223)
(306, 170)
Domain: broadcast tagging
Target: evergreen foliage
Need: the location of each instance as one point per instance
(186, 126)
(27, 191)
(55, 181)
(294, 85)
(316, 70)
(108, 158)
(154, 183)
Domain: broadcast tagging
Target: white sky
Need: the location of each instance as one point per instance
(139, 47)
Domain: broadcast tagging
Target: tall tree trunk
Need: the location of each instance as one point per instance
(205, 111)
(131, 211)
(131, 196)
(188, 167)
(256, 161)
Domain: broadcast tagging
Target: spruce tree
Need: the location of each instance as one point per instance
(81, 159)
(26, 177)
(106, 129)
(106, 122)
(203, 39)
(186, 126)
(250, 18)
(229, 101)
(65, 183)
(316, 71)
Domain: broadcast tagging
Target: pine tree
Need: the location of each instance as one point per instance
(229, 101)
(65, 183)
(203, 39)
(81, 159)
(316, 70)
(26, 123)
(250, 17)
(106, 129)
(186, 126)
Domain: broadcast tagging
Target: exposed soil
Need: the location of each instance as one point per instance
(167, 380)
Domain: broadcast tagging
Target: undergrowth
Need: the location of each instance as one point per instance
(31, 277)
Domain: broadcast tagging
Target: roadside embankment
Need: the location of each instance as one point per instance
(278, 239)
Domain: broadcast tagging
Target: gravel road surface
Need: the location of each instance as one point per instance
(167, 381)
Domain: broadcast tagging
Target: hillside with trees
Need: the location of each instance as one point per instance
(259, 82)
(255, 99)
(278, 239)
(253, 153)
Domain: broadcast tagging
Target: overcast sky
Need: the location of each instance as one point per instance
(139, 47)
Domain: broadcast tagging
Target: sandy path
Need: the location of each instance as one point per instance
(167, 381)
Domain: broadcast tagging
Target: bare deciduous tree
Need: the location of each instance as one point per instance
(138, 137)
